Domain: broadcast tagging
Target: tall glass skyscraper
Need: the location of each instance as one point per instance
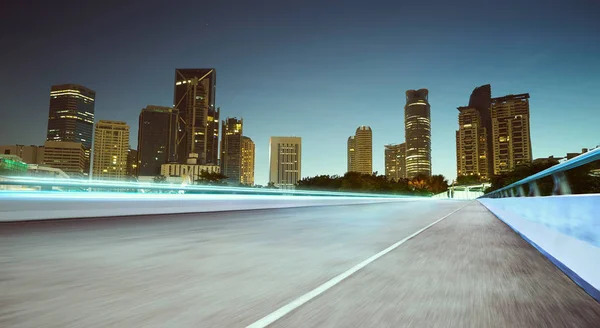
(417, 129)
(194, 96)
(71, 116)
(157, 139)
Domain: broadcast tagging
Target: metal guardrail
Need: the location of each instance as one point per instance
(561, 185)
(97, 185)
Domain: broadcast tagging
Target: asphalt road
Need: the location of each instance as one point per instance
(234, 269)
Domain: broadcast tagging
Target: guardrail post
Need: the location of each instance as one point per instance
(561, 185)
(534, 190)
(512, 192)
(521, 192)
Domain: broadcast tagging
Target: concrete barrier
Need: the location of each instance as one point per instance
(52, 205)
(564, 228)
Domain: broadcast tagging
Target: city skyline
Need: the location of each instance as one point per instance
(268, 89)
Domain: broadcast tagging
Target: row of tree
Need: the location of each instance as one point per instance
(375, 183)
(349, 182)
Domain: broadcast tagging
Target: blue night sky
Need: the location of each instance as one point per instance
(311, 69)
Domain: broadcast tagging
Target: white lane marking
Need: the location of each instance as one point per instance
(284, 310)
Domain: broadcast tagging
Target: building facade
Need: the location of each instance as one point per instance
(285, 159)
(351, 151)
(417, 128)
(188, 173)
(71, 116)
(481, 100)
(472, 157)
(248, 160)
(194, 96)
(70, 157)
(231, 149)
(157, 138)
(29, 154)
(132, 163)
(395, 161)
(510, 132)
(360, 151)
(111, 146)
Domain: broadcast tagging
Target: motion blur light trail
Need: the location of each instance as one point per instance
(105, 185)
(25, 206)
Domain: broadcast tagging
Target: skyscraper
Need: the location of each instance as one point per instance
(248, 159)
(231, 149)
(157, 138)
(360, 151)
(285, 158)
(111, 146)
(351, 151)
(194, 96)
(481, 100)
(132, 163)
(417, 130)
(395, 161)
(471, 144)
(510, 132)
(71, 116)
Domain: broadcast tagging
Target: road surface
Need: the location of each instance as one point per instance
(236, 269)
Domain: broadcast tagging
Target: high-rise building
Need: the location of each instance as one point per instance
(132, 163)
(248, 159)
(111, 146)
(29, 154)
(157, 139)
(194, 96)
(71, 116)
(231, 149)
(510, 132)
(70, 157)
(481, 100)
(285, 158)
(395, 161)
(471, 144)
(360, 151)
(351, 152)
(417, 123)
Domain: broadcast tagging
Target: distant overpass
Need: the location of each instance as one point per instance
(471, 191)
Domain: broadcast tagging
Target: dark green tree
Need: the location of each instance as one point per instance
(372, 183)
(211, 179)
(545, 185)
(437, 184)
(468, 179)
